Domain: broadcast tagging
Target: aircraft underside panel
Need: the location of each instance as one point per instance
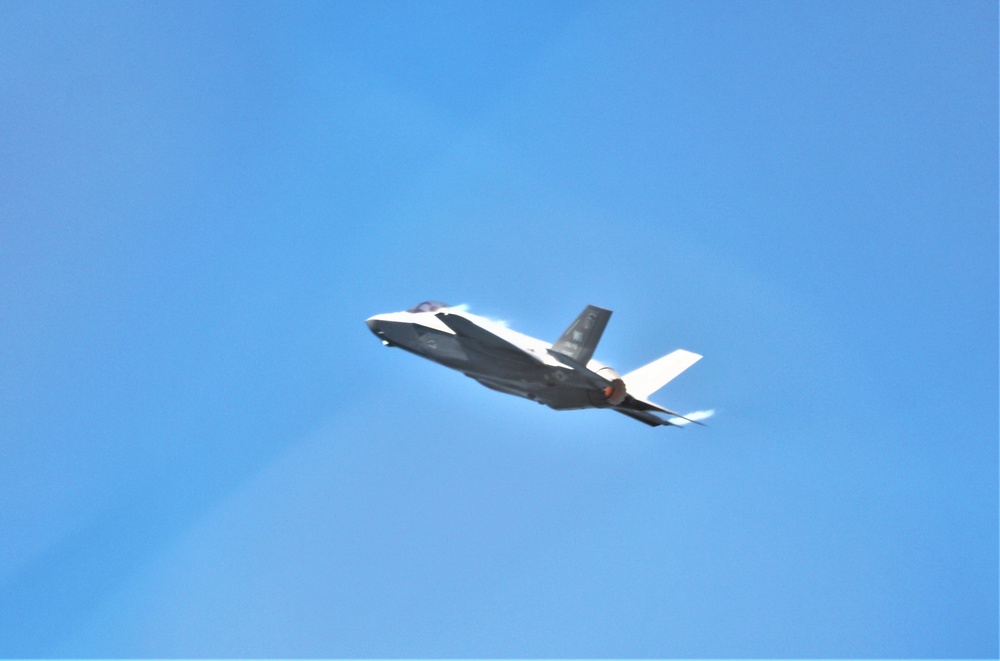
(442, 347)
(508, 387)
(566, 399)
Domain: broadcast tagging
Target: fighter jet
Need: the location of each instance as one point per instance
(562, 376)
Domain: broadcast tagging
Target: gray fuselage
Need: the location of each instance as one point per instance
(523, 369)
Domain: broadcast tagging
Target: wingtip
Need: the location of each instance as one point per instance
(695, 417)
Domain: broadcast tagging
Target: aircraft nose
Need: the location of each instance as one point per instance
(381, 329)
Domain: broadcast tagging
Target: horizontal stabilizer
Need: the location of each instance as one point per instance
(646, 380)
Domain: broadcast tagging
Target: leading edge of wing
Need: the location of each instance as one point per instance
(468, 329)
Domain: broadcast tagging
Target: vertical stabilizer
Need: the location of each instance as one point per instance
(581, 338)
(646, 380)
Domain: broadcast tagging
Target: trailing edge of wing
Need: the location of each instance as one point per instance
(646, 405)
(646, 380)
(486, 339)
(646, 417)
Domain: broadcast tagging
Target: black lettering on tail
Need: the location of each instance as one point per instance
(581, 338)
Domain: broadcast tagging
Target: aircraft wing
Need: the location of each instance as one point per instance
(489, 341)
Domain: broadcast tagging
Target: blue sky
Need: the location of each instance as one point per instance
(204, 452)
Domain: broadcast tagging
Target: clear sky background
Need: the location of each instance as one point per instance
(204, 451)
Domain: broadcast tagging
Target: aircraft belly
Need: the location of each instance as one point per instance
(505, 371)
(511, 387)
(539, 386)
(565, 399)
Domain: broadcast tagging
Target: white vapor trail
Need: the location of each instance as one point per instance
(692, 417)
(464, 307)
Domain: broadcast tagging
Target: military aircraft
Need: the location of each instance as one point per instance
(562, 375)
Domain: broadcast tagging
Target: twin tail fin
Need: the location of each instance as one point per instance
(581, 338)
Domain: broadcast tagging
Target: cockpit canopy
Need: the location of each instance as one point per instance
(429, 306)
